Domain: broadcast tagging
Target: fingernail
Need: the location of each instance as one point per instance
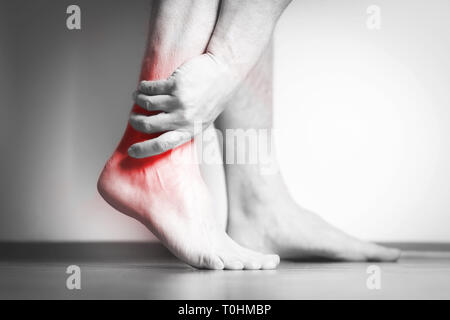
(132, 152)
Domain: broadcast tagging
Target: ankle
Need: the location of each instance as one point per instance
(248, 180)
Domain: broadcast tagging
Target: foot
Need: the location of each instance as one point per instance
(167, 194)
(264, 217)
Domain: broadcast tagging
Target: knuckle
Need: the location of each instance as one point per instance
(144, 86)
(187, 116)
(150, 88)
(185, 106)
(184, 117)
(146, 125)
(172, 85)
(147, 104)
(182, 98)
(162, 146)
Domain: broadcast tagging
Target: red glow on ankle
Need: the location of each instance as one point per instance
(149, 71)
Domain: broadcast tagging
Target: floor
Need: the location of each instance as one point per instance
(39, 272)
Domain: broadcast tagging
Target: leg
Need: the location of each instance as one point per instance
(262, 214)
(166, 192)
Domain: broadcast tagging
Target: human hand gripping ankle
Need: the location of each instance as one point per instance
(194, 95)
(187, 102)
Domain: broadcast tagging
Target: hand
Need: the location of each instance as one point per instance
(187, 102)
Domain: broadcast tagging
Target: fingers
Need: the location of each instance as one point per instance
(152, 124)
(158, 87)
(161, 144)
(154, 103)
(157, 96)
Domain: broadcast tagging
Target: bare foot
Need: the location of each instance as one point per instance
(265, 218)
(167, 194)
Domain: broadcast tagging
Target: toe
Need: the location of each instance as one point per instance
(270, 261)
(254, 260)
(252, 264)
(250, 260)
(212, 262)
(376, 252)
(231, 263)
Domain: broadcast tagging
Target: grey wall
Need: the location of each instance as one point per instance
(369, 111)
(66, 110)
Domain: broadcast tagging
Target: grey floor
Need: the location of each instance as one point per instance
(27, 274)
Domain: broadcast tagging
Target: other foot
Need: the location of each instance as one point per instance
(264, 217)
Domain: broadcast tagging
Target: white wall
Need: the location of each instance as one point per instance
(366, 115)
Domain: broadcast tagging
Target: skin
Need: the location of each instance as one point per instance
(262, 214)
(233, 78)
(197, 91)
(167, 192)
